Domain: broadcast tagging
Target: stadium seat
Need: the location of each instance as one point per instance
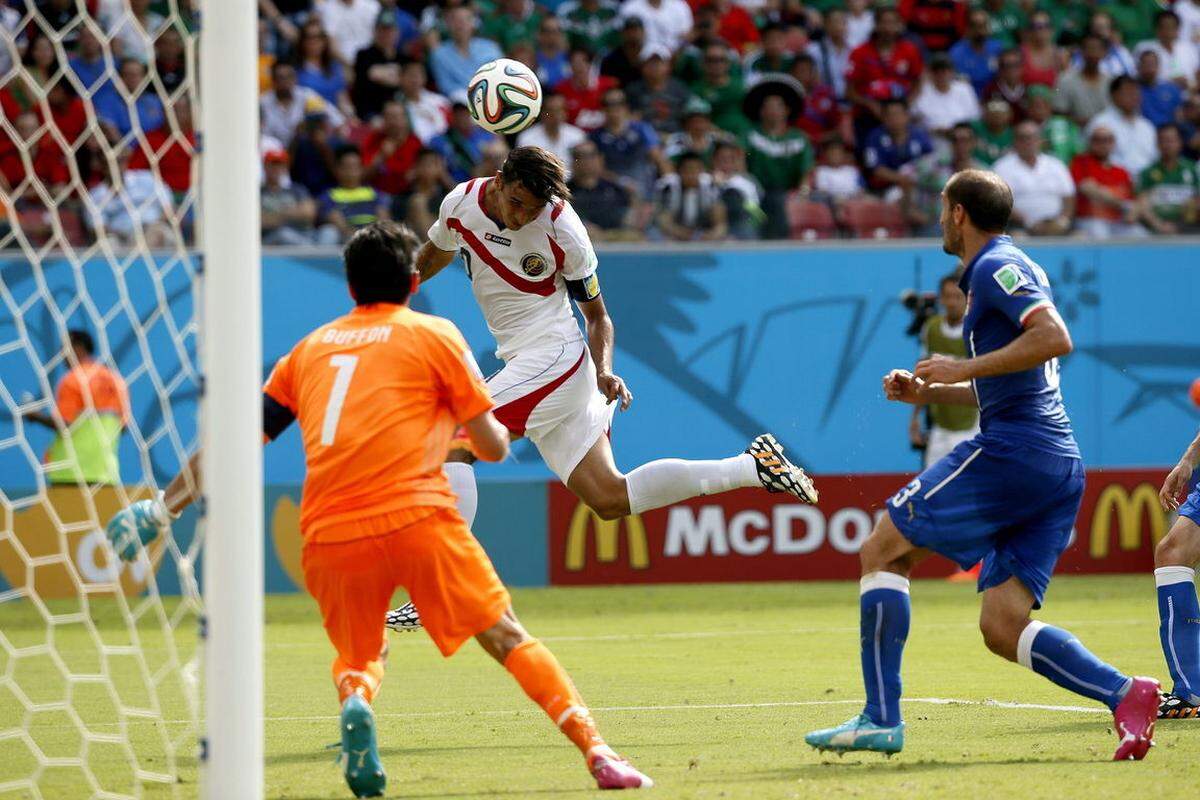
(809, 220)
(869, 218)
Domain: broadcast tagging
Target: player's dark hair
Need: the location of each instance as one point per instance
(345, 150)
(952, 277)
(687, 157)
(82, 339)
(539, 171)
(984, 196)
(379, 262)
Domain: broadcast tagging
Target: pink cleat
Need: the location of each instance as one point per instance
(614, 772)
(1134, 720)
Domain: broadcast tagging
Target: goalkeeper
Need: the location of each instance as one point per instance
(378, 394)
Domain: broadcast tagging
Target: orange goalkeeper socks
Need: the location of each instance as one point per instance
(548, 685)
(357, 681)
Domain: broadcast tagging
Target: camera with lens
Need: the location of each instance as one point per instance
(923, 305)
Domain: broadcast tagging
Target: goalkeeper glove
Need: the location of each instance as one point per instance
(138, 526)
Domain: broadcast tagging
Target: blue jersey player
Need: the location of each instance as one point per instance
(1175, 559)
(1008, 496)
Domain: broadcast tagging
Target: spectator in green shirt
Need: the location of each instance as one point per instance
(1069, 17)
(593, 24)
(1169, 190)
(994, 131)
(1134, 18)
(1061, 137)
(513, 21)
(774, 55)
(1008, 20)
(779, 157)
(721, 90)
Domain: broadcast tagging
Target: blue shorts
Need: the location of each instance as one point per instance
(1011, 507)
(1191, 506)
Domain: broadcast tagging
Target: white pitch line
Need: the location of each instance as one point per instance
(731, 632)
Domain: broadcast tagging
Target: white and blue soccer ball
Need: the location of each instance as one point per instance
(504, 96)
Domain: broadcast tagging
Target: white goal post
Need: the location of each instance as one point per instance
(231, 409)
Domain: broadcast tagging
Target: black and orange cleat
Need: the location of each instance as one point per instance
(1172, 706)
(776, 473)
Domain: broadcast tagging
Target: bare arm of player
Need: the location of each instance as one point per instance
(431, 260)
(489, 439)
(1045, 337)
(1176, 484)
(184, 488)
(902, 386)
(600, 336)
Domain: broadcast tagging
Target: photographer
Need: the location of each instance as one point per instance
(942, 334)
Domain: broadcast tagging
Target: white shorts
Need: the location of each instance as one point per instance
(941, 441)
(549, 394)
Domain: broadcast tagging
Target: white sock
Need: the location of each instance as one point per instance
(670, 480)
(462, 483)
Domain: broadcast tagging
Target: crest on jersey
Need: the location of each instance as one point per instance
(533, 265)
(1009, 278)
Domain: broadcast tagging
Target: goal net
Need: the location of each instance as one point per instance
(102, 383)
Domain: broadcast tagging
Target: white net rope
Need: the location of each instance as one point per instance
(98, 659)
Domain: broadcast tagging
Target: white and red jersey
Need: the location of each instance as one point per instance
(519, 277)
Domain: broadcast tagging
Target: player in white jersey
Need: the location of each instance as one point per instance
(526, 252)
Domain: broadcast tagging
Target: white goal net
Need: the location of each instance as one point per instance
(100, 390)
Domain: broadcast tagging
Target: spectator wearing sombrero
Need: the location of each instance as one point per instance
(778, 155)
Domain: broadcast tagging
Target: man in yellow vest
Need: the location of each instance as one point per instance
(942, 335)
(93, 402)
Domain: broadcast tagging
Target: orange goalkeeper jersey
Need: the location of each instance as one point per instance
(378, 394)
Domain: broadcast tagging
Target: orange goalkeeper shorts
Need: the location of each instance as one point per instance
(436, 559)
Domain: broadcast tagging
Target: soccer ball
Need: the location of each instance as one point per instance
(504, 96)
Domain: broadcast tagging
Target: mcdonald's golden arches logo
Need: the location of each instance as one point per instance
(1129, 507)
(607, 533)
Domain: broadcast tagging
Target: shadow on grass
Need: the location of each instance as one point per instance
(330, 753)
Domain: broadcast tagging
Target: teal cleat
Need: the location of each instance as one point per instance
(859, 733)
(360, 752)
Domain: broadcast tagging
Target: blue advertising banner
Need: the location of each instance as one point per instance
(717, 345)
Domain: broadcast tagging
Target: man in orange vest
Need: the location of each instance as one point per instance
(93, 402)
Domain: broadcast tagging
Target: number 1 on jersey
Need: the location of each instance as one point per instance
(345, 366)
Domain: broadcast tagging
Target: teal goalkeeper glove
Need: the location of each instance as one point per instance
(138, 526)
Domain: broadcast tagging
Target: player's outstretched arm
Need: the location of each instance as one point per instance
(1176, 484)
(145, 520)
(141, 523)
(600, 335)
(489, 439)
(1045, 337)
(902, 386)
(431, 260)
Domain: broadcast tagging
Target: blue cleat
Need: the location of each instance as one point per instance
(360, 753)
(859, 733)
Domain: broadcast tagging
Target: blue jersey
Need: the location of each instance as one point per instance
(1023, 409)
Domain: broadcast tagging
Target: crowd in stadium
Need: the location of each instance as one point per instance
(679, 119)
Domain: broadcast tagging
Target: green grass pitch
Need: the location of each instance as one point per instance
(708, 688)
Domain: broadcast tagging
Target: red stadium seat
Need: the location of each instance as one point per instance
(809, 220)
(869, 218)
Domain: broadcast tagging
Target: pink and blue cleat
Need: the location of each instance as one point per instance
(614, 772)
(1134, 720)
